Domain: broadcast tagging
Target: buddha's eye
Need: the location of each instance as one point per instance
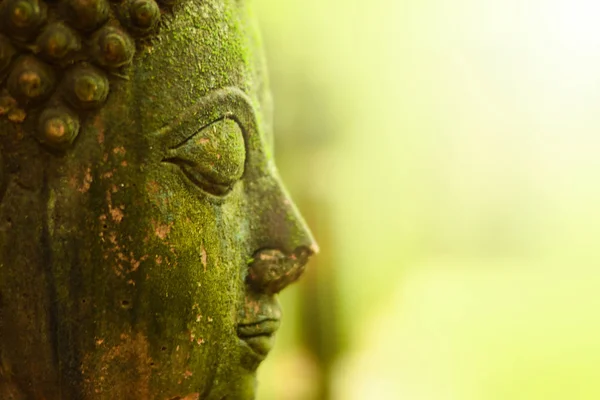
(213, 158)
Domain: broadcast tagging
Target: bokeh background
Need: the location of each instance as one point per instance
(447, 156)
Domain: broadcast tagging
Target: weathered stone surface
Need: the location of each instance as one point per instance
(144, 232)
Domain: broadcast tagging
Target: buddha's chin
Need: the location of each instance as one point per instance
(238, 386)
(237, 381)
(252, 351)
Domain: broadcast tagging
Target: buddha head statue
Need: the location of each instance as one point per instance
(144, 231)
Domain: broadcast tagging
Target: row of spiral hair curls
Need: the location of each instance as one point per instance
(57, 58)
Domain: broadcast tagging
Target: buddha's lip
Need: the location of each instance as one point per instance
(259, 337)
(264, 327)
(257, 322)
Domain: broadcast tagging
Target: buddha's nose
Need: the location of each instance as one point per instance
(282, 240)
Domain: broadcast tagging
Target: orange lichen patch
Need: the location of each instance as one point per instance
(162, 230)
(99, 342)
(99, 124)
(123, 163)
(112, 238)
(123, 369)
(187, 374)
(100, 136)
(204, 257)
(135, 264)
(123, 262)
(120, 151)
(199, 341)
(152, 187)
(251, 305)
(87, 181)
(116, 213)
(118, 268)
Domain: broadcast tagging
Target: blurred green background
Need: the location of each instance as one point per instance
(447, 156)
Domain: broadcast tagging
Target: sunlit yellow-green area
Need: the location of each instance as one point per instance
(447, 156)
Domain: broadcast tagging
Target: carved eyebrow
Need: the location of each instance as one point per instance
(198, 130)
(228, 102)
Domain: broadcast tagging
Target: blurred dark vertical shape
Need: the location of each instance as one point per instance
(304, 136)
(319, 320)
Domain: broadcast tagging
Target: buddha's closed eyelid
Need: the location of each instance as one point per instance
(227, 103)
(209, 141)
(213, 158)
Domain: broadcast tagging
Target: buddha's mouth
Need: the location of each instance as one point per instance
(259, 335)
(258, 319)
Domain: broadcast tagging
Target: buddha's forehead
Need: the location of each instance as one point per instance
(204, 46)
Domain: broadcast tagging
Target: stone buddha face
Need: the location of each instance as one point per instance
(144, 231)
